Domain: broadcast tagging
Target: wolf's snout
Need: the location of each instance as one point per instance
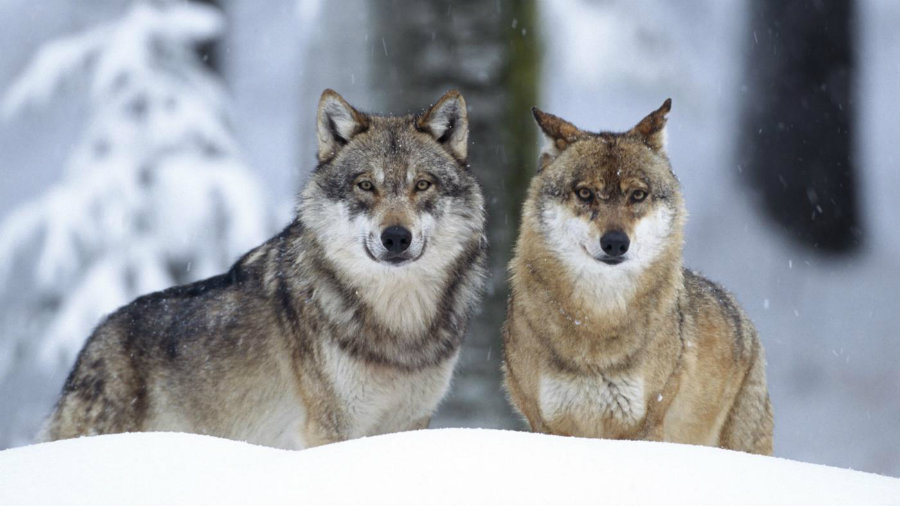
(396, 239)
(615, 243)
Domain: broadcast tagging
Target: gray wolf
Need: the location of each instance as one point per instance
(607, 335)
(347, 323)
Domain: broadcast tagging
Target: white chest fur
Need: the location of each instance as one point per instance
(592, 401)
(378, 400)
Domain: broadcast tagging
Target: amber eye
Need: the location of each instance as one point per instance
(365, 186)
(638, 195)
(585, 194)
(422, 185)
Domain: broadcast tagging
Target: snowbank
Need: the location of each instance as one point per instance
(446, 466)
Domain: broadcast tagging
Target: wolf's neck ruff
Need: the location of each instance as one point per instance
(407, 317)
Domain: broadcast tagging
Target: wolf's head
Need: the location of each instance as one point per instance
(392, 200)
(390, 189)
(607, 203)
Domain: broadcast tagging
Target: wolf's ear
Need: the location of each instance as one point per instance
(652, 129)
(558, 134)
(337, 123)
(448, 122)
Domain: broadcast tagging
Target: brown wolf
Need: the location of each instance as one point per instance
(348, 323)
(607, 335)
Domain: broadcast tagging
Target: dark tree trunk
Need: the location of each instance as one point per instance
(798, 137)
(488, 51)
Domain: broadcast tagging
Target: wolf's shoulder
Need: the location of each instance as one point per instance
(707, 300)
(237, 274)
(698, 285)
(197, 303)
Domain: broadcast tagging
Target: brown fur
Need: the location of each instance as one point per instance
(659, 353)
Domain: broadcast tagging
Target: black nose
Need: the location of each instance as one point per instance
(396, 239)
(614, 243)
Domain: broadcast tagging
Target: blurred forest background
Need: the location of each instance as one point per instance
(144, 144)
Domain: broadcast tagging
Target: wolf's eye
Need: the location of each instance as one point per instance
(638, 195)
(585, 194)
(422, 185)
(365, 186)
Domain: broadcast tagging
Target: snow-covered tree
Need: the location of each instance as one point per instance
(155, 192)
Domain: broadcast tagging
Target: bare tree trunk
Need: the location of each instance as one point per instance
(798, 120)
(487, 50)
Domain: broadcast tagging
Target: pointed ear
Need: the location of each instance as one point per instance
(337, 123)
(652, 129)
(558, 134)
(448, 122)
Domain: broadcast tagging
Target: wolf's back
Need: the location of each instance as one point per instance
(108, 389)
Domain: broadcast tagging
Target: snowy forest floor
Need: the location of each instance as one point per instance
(447, 466)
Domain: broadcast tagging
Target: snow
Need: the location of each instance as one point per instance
(444, 466)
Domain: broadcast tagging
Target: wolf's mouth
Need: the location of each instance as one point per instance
(608, 260)
(395, 260)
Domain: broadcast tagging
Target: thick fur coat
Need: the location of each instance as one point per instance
(607, 335)
(347, 323)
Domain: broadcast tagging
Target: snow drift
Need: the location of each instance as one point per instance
(445, 466)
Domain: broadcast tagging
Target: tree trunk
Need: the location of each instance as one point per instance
(798, 141)
(488, 51)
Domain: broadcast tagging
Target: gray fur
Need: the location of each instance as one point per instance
(289, 348)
